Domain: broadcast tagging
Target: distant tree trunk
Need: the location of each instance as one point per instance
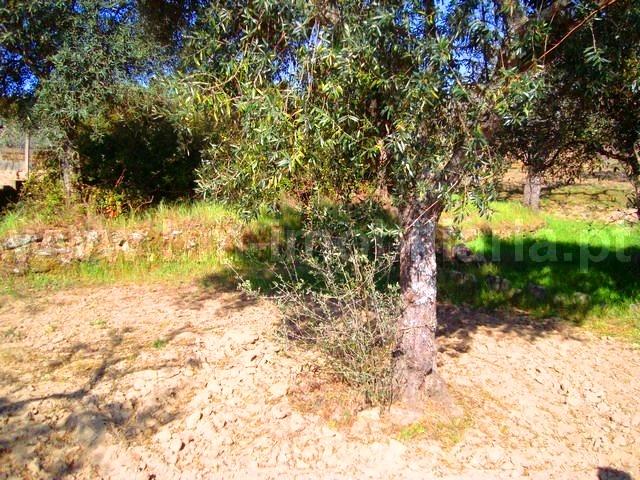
(532, 189)
(69, 168)
(415, 354)
(636, 194)
(631, 163)
(634, 164)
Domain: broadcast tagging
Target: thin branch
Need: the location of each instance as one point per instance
(576, 27)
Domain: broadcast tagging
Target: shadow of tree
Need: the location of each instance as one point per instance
(211, 287)
(526, 285)
(48, 435)
(457, 324)
(57, 449)
(606, 473)
(546, 279)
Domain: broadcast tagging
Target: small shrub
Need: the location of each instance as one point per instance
(43, 193)
(333, 299)
(104, 201)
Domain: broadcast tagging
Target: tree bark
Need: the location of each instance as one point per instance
(532, 189)
(636, 194)
(69, 168)
(415, 354)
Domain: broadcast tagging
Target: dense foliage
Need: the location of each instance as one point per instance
(86, 74)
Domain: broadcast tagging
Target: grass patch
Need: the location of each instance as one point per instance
(10, 222)
(159, 343)
(583, 271)
(448, 432)
(99, 323)
(415, 431)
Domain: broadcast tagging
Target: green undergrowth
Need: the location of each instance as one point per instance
(585, 272)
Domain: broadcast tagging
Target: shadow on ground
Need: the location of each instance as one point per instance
(562, 280)
(47, 434)
(457, 324)
(546, 279)
(606, 473)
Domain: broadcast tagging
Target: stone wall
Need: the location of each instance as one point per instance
(53, 248)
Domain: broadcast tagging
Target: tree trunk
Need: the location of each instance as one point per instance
(636, 194)
(68, 166)
(415, 354)
(635, 176)
(532, 189)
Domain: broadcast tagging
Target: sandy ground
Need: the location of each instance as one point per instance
(151, 382)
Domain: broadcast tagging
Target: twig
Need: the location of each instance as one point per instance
(576, 27)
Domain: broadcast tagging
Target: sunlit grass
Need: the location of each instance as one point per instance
(11, 222)
(588, 270)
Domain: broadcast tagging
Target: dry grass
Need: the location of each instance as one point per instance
(324, 395)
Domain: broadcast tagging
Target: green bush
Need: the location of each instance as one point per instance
(43, 192)
(141, 156)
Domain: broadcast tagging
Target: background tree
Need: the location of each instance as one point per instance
(75, 68)
(31, 32)
(94, 69)
(551, 143)
(601, 62)
(616, 113)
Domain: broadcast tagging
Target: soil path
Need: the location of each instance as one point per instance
(155, 383)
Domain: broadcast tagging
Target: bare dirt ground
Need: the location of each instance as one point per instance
(153, 382)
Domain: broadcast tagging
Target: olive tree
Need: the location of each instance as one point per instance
(616, 86)
(551, 143)
(601, 64)
(409, 95)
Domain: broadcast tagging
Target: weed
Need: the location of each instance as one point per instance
(159, 343)
(448, 432)
(412, 432)
(99, 323)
